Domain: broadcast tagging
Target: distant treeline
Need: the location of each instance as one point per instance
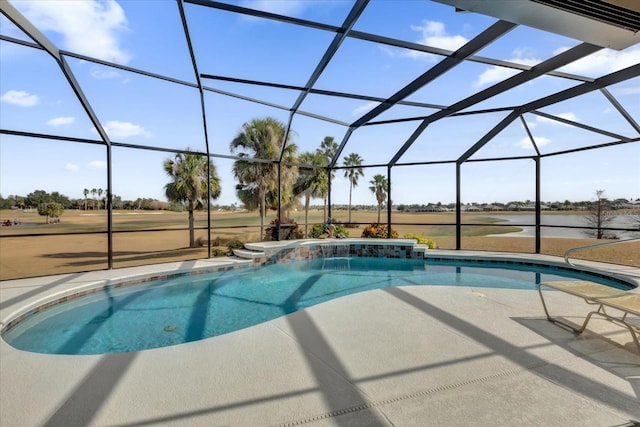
(526, 205)
(39, 197)
(91, 202)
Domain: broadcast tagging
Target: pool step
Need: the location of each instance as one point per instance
(248, 253)
(420, 247)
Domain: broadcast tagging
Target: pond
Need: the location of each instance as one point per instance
(564, 220)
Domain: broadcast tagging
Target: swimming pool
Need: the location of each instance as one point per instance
(188, 308)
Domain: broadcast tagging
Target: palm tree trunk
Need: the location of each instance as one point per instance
(325, 208)
(263, 201)
(306, 215)
(192, 239)
(379, 207)
(350, 189)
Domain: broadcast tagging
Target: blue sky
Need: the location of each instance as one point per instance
(136, 109)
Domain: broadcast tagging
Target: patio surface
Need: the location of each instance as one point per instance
(407, 356)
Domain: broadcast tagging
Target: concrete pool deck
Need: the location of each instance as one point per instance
(407, 356)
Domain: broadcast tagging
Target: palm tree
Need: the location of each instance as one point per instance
(310, 182)
(328, 149)
(93, 198)
(86, 194)
(379, 188)
(353, 173)
(190, 182)
(99, 197)
(288, 178)
(259, 139)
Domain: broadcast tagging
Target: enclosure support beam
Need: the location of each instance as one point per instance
(489, 136)
(25, 25)
(203, 111)
(279, 217)
(581, 125)
(329, 192)
(389, 202)
(456, 58)
(620, 109)
(458, 208)
(340, 36)
(538, 205)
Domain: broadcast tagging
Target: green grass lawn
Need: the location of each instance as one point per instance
(42, 249)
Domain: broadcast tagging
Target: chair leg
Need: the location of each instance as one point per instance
(634, 336)
(600, 311)
(553, 319)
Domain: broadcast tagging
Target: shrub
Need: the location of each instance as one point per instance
(287, 232)
(378, 230)
(216, 241)
(340, 230)
(317, 231)
(421, 239)
(235, 244)
(215, 252)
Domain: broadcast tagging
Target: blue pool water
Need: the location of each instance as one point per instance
(191, 308)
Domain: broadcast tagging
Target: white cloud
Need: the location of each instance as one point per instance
(97, 164)
(525, 143)
(604, 61)
(59, 121)
(20, 98)
(100, 73)
(365, 108)
(295, 8)
(566, 116)
(121, 130)
(389, 51)
(88, 27)
(71, 167)
(496, 74)
(541, 141)
(493, 75)
(432, 33)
